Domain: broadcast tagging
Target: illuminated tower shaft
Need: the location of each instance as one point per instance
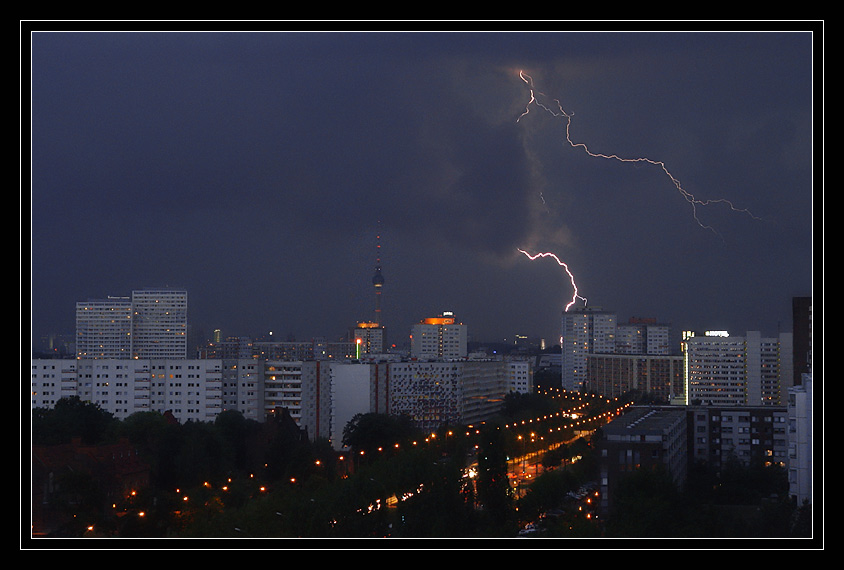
(378, 281)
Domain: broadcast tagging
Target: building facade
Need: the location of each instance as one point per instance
(152, 324)
(368, 338)
(350, 395)
(800, 441)
(247, 347)
(439, 338)
(643, 336)
(104, 328)
(748, 434)
(159, 323)
(585, 331)
(646, 438)
(612, 375)
(192, 390)
(520, 376)
(722, 370)
(434, 393)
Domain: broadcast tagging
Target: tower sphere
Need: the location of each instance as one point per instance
(378, 279)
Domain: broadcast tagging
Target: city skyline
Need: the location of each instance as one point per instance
(254, 170)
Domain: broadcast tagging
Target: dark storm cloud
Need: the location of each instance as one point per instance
(254, 169)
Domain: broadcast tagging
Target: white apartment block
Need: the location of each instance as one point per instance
(243, 381)
(350, 395)
(104, 328)
(434, 393)
(152, 324)
(722, 370)
(159, 323)
(800, 441)
(658, 340)
(643, 336)
(258, 388)
(439, 338)
(319, 395)
(519, 376)
(52, 380)
(303, 388)
(192, 390)
(585, 331)
(630, 339)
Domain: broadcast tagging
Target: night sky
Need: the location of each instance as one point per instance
(255, 170)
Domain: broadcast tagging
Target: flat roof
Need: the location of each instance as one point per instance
(645, 420)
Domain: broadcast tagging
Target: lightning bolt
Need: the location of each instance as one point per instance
(688, 196)
(575, 295)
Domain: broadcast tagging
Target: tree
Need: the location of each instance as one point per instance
(69, 418)
(152, 434)
(241, 438)
(370, 431)
(644, 504)
(494, 493)
(547, 492)
(443, 505)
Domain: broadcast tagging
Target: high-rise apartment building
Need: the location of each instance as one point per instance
(723, 370)
(159, 323)
(368, 338)
(104, 328)
(585, 331)
(642, 336)
(149, 324)
(439, 337)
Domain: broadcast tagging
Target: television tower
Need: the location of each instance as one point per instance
(378, 279)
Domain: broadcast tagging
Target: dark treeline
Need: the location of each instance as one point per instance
(238, 478)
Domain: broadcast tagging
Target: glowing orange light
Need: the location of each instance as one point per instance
(439, 321)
